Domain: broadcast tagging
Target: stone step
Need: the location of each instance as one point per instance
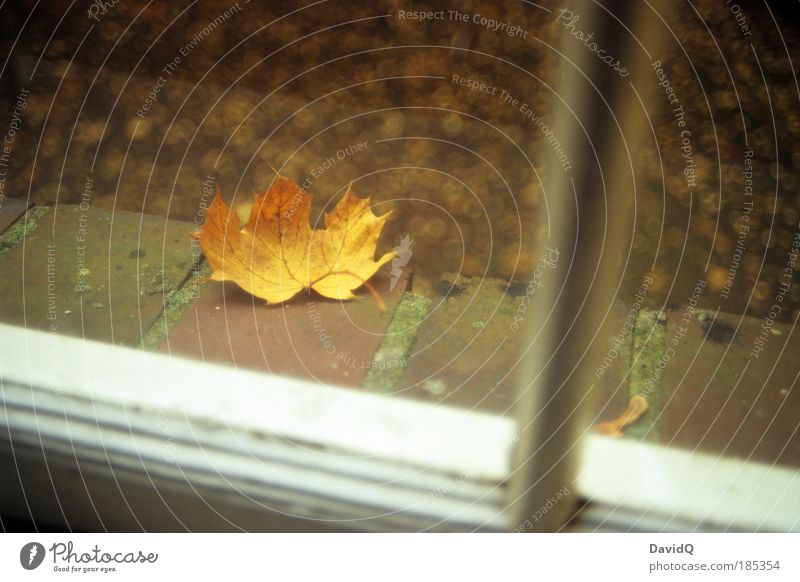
(720, 395)
(89, 273)
(706, 384)
(718, 383)
(469, 345)
(308, 336)
(10, 210)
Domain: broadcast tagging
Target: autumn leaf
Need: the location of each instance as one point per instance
(634, 411)
(277, 254)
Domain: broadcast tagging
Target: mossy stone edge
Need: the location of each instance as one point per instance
(389, 361)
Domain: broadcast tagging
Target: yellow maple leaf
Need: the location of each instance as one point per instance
(277, 254)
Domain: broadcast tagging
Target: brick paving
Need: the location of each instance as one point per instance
(719, 399)
(468, 348)
(10, 210)
(309, 336)
(93, 274)
(109, 277)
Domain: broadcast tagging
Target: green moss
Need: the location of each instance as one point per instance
(155, 280)
(20, 229)
(390, 360)
(178, 301)
(649, 341)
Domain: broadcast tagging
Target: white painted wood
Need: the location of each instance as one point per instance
(401, 430)
(304, 491)
(309, 452)
(716, 493)
(285, 445)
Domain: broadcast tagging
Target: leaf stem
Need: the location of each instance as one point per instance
(376, 295)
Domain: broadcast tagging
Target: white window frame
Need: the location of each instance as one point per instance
(341, 458)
